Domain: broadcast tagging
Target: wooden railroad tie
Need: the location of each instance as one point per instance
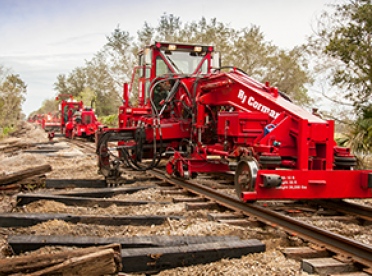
(24, 199)
(300, 253)
(103, 260)
(188, 199)
(152, 253)
(24, 243)
(234, 219)
(105, 192)
(74, 183)
(193, 206)
(29, 219)
(325, 266)
(147, 260)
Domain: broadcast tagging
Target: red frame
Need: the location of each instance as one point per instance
(307, 184)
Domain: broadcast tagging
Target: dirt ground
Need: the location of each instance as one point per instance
(72, 163)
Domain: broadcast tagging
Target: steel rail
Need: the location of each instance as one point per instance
(357, 251)
(88, 146)
(348, 208)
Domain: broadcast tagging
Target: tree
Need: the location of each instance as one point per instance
(169, 28)
(87, 96)
(351, 43)
(145, 35)
(263, 61)
(77, 81)
(343, 46)
(12, 95)
(48, 106)
(215, 33)
(73, 84)
(120, 56)
(359, 136)
(102, 86)
(288, 71)
(94, 82)
(61, 85)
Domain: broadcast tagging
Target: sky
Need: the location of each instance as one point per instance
(40, 39)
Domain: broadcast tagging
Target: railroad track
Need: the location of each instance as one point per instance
(357, 251)
(84, 144)
(86, 211)
(98, 196)
(354, 250)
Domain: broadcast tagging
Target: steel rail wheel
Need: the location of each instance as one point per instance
(245, 176)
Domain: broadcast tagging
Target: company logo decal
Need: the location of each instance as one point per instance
(257, 105)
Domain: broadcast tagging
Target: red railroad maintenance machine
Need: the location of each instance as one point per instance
(77, 120)
(51, 122)
(36, 119)
(48, 122)
(211, 119)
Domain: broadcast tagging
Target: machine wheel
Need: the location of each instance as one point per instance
(245, 176)
(68, 133)
(139, 137)
(108, 163)
(105, 167)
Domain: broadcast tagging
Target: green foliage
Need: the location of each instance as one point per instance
(120, 56)
(87, 96)
(344, 38)
(145, 35)
(6, 130)
(169, 28)
(359, 137)
(286, 70)
(12, 95)
(94, 82)
(351, 43)
(343, 48)
(109, 121)
(100, 79)
(61, 85)
(48, 106)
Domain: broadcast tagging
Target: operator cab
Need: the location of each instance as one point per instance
(69, 109)
(87, 118)
(179, 59)
(170, 59)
